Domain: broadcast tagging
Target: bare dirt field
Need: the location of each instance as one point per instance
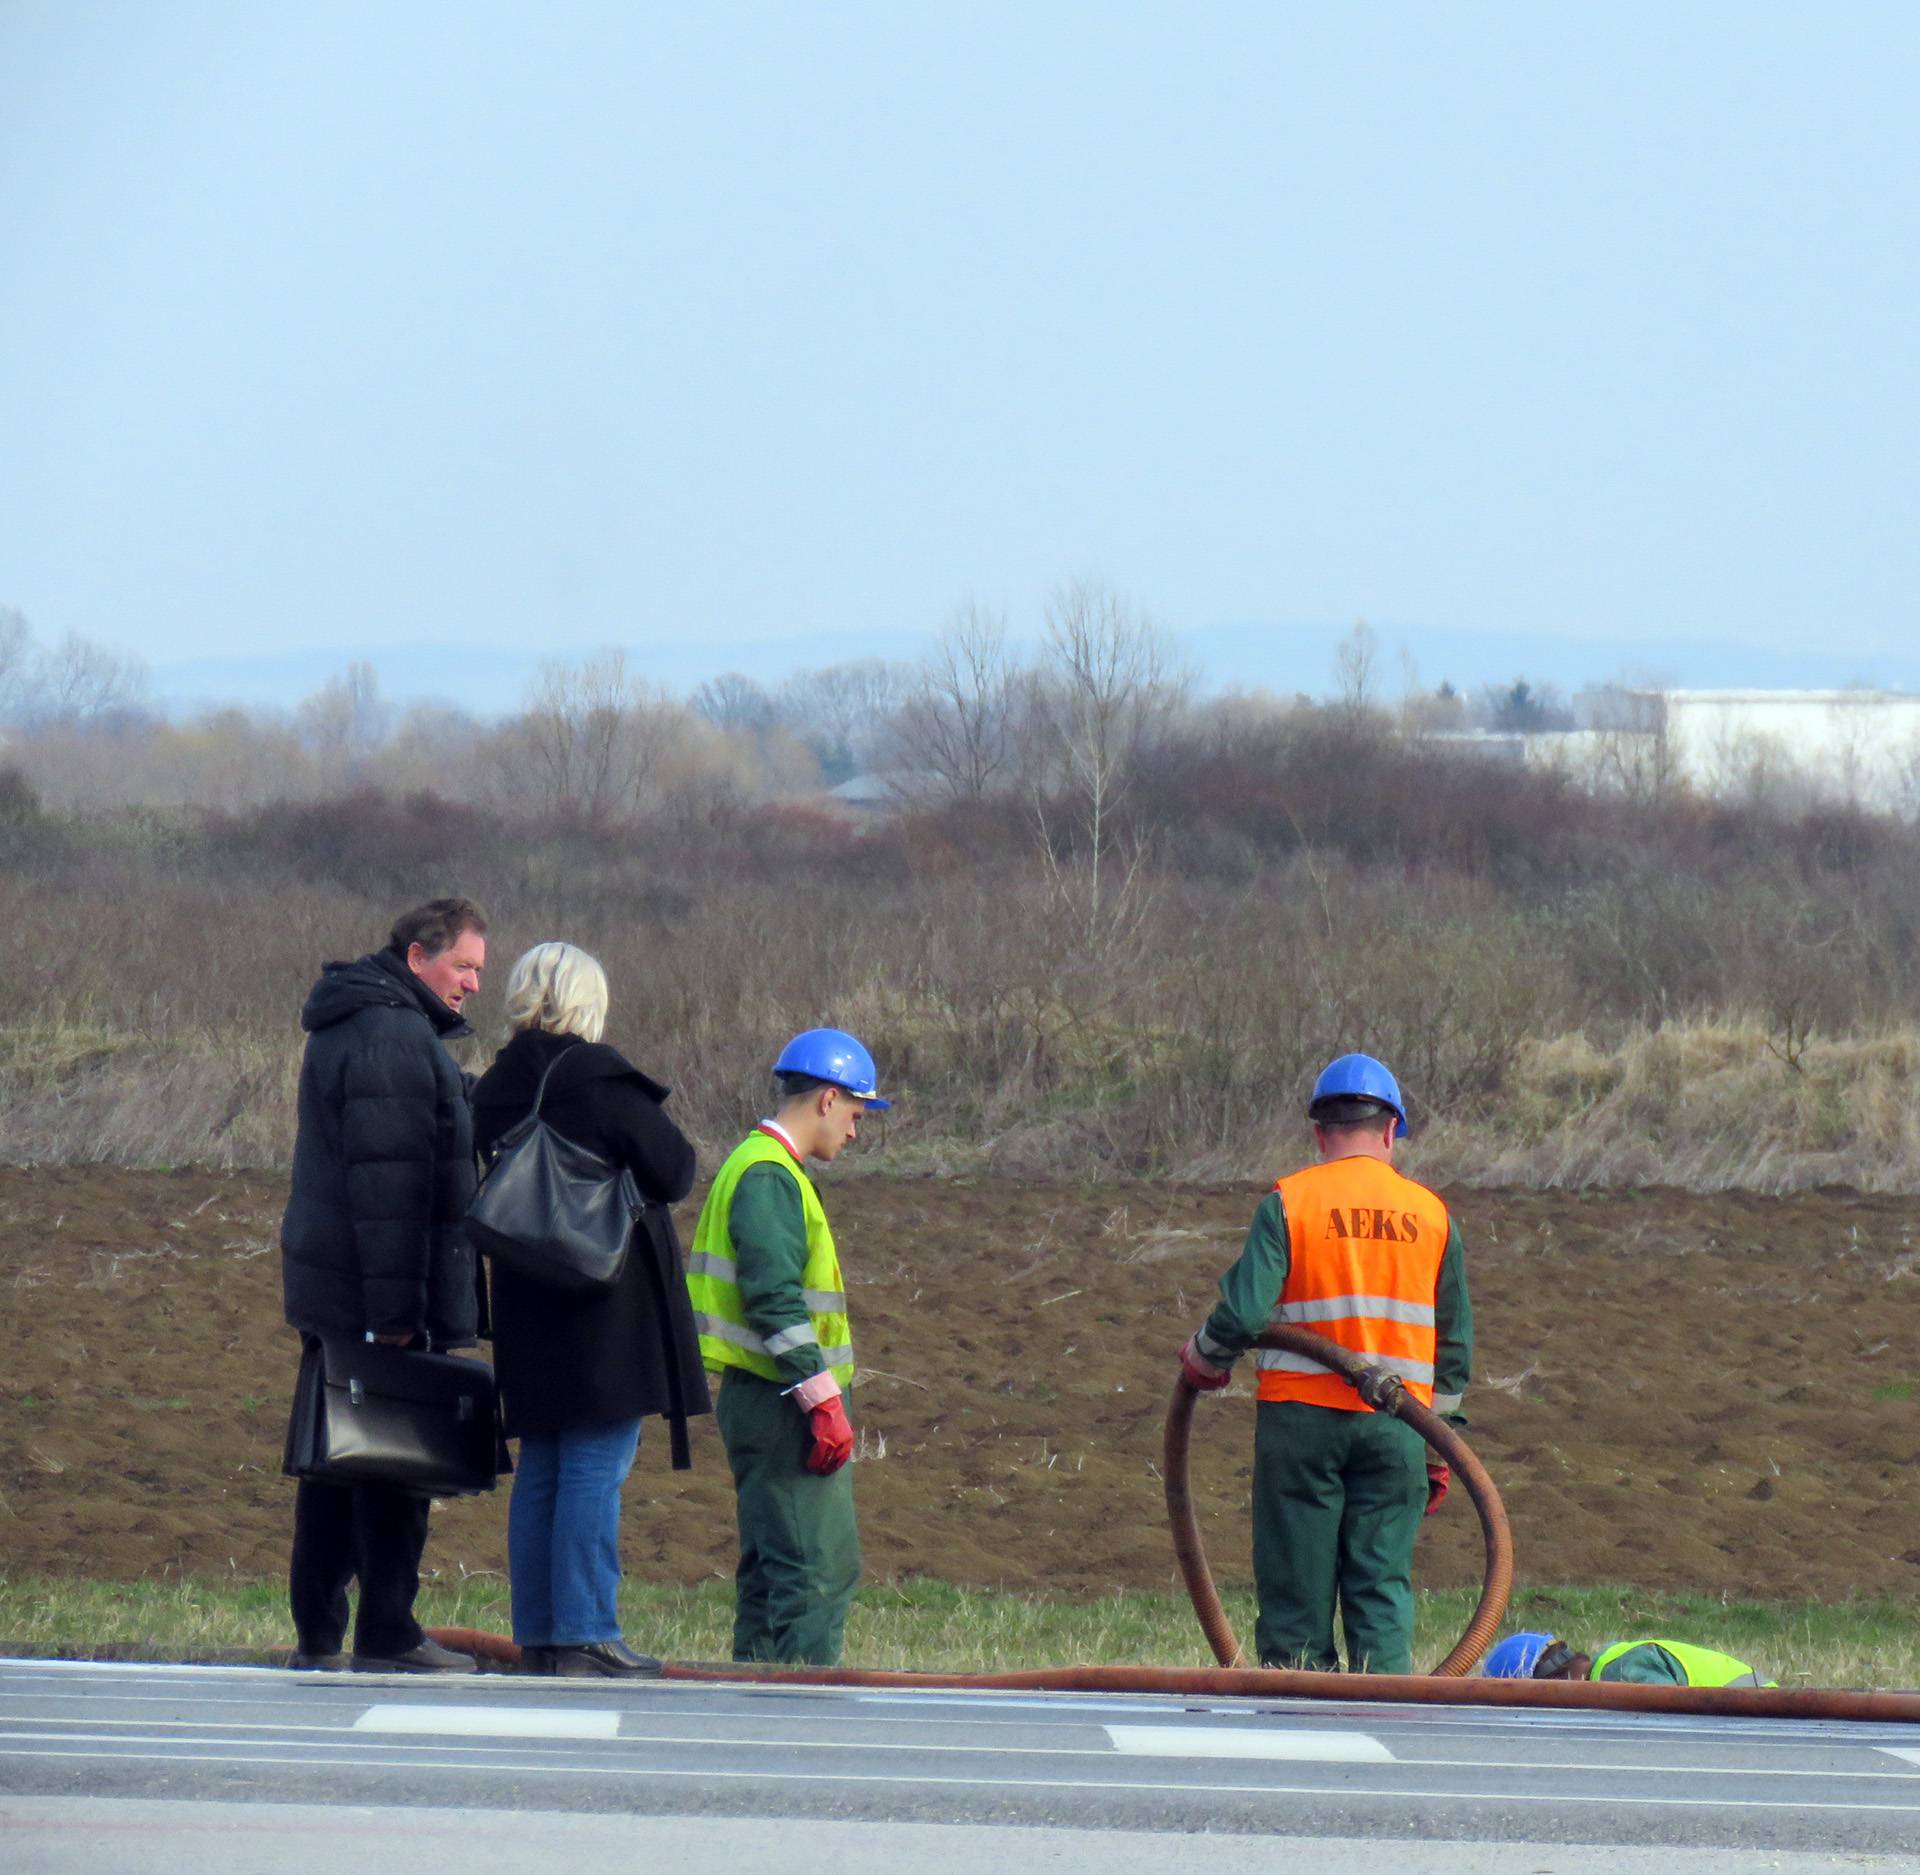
(1710, 1393)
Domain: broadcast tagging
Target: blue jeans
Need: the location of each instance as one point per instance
(563, 1533)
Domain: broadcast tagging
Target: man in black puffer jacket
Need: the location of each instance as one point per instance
(374, 1243)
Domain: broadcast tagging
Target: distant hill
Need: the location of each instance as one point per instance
(1287, 657)
(1299, 657)
(491, 680)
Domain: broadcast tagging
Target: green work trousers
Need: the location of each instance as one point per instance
(799, 1547)
(1337, 1503)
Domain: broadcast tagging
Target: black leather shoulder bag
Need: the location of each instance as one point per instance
(551, 1210)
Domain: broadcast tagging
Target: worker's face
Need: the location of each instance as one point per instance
(454, 973)
(837, 1121)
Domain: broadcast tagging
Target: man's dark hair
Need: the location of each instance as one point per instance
(436, 925)
(1338, 1110)
(793, 1086)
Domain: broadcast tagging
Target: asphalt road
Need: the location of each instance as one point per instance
(215, 1769)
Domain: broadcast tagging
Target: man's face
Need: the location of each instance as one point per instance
(839, 1121)
(454, 973)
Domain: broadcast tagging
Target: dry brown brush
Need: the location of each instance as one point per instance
(1573, 989)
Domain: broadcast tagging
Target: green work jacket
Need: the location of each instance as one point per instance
(1671, 1663)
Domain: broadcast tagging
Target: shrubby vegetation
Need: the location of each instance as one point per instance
(1105, 925)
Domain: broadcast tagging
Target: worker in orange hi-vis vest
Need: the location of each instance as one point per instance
(1361, 1254)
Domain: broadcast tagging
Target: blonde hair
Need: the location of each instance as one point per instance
(559, 988)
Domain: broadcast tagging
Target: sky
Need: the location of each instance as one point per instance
(478, 332)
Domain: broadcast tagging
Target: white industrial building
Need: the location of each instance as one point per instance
(1793, 747)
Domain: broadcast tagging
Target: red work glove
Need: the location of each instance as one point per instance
(832, 1436)
(1203, 1375)
(1439, 1477)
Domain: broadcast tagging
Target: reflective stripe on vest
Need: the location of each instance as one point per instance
(1702, 1665)
(818, 1301)
(713, 1278)
(1364, 1251)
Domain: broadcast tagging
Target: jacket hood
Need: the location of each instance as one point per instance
(380, 980)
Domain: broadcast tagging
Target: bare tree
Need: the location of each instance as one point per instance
(589, 741)
(841, 713)
(735, 703)
(1433, 712)
(80, 681)
(345, 721)
(1356, 660)
(1858, 764)
(954, 737)
(16, 662)
(1109, 691)
(232, 760)
(1634, 746)
(433, 747)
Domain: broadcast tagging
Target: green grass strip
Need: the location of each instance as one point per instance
(934, 1627)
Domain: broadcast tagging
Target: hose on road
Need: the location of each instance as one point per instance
(1443, 1686)
(1409, 1689)
(1383, 1392)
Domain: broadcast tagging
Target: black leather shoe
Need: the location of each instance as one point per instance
(303, 1662)
(609, 1659)
(536, 1660)
(428, 1657)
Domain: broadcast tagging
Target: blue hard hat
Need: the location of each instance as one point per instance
(832, 1055)
(1360, 1076)
(1516, 1656)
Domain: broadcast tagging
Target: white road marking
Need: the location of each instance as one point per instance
(173, 1732)
(1245, 1741)
(1778, 1734)
(332, 1692)
(491, 1721)
(1902, 1751)
(493, 1766)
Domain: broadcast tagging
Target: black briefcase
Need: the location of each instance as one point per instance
(368, 1414)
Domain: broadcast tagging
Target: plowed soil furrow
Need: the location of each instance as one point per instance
(1713, 1393)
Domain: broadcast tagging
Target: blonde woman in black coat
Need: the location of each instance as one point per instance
(579, 1374)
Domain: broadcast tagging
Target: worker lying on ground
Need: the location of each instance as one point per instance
(1531, 1656)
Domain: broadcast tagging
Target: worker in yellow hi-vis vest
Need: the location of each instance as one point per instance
(1364, 1256)
(771, 1307)
(1530, 1655)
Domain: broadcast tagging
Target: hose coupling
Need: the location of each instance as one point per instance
(1380, 1388)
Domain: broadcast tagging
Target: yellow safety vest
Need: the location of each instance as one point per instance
(713, 1277)
(1701, 1665)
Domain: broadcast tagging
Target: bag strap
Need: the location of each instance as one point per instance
(485, 1161)
(540, 1092)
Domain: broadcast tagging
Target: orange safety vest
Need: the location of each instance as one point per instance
(1366, 1245)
